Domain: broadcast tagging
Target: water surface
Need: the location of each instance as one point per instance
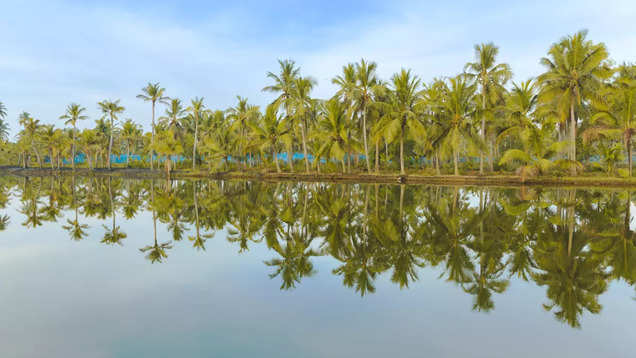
(128, 268)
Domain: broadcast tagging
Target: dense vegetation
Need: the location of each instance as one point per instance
(572, 242)
(576, 116)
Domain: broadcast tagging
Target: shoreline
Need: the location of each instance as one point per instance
(471, 180)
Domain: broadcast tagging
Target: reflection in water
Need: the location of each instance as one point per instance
(572, 242)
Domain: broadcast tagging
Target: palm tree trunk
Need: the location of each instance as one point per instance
(73, 154)
(483, 133)
(402, 171)
(194, 147)
(276, 161)
(110, 141)
(455, 160)
(290, 159)
(51, 159)
(152, 152)
(364, 135)
(344, 167)
(628, 144)
(302, 132)
(572, 138)
(377, 156)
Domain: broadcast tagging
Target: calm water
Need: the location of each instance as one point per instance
(123, 268)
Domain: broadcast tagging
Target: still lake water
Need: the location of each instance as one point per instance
(130, 268)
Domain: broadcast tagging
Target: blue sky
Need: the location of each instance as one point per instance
(56, 52)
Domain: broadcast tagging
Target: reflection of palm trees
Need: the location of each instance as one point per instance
(574, 276)
(76, 230)
(198, 241)
(155, 252)
(294, 263)
(114, 235)
(4, 222)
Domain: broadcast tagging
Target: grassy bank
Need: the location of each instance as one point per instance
(413, 178)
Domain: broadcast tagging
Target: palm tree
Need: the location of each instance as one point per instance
(616, 110)
(539, 148)
(130, 132)
(521, 103)
(575, 69)
(195, 109)
(31, 128)
(332, 131)
(302, 105)
(74, 113)
(366, 84)
(284, 84)
(456, 108)
(241, 116)
(403, 117)
(269, 132)
(174, 115)
(4, 127)
(154, 94)
(491, 78)
(110, 109)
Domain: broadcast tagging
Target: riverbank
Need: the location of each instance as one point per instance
(384, 178)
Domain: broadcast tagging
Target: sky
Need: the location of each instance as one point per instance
(56, 52)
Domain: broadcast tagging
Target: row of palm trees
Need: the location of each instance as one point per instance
(535, 126)
(573, 242)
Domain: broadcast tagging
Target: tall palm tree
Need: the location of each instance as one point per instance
(110, 109)
(74, 113)
(332, 131)
(367, 83)
(575, 69)
(4, 127)
(130, 132)
(31, 127)
(403, 117)
(241, 116)
(616, 109)
(174, 115)
(302, 105)
(195, 109)
(457, 109)
(269, 132)
(154, 94)
(491, 78)
(284, 84)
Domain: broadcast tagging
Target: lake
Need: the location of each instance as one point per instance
(107, 267)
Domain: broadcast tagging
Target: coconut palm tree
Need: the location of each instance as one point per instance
(174, 117)
(302, 104)
(154, 94)
(74, 113)
(195, 109)
(616, 110)
(31, 128)
(457, 109)
(402, 119)
(110, 109)
(365, 87)
(491, 78)
(241, 116)
(269, 132)
(4, 126)
(130, 132)
(283, 85)
(575, 69)
(521, 103)
(332, 131)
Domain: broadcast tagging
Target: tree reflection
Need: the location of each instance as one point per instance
(571, 242)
